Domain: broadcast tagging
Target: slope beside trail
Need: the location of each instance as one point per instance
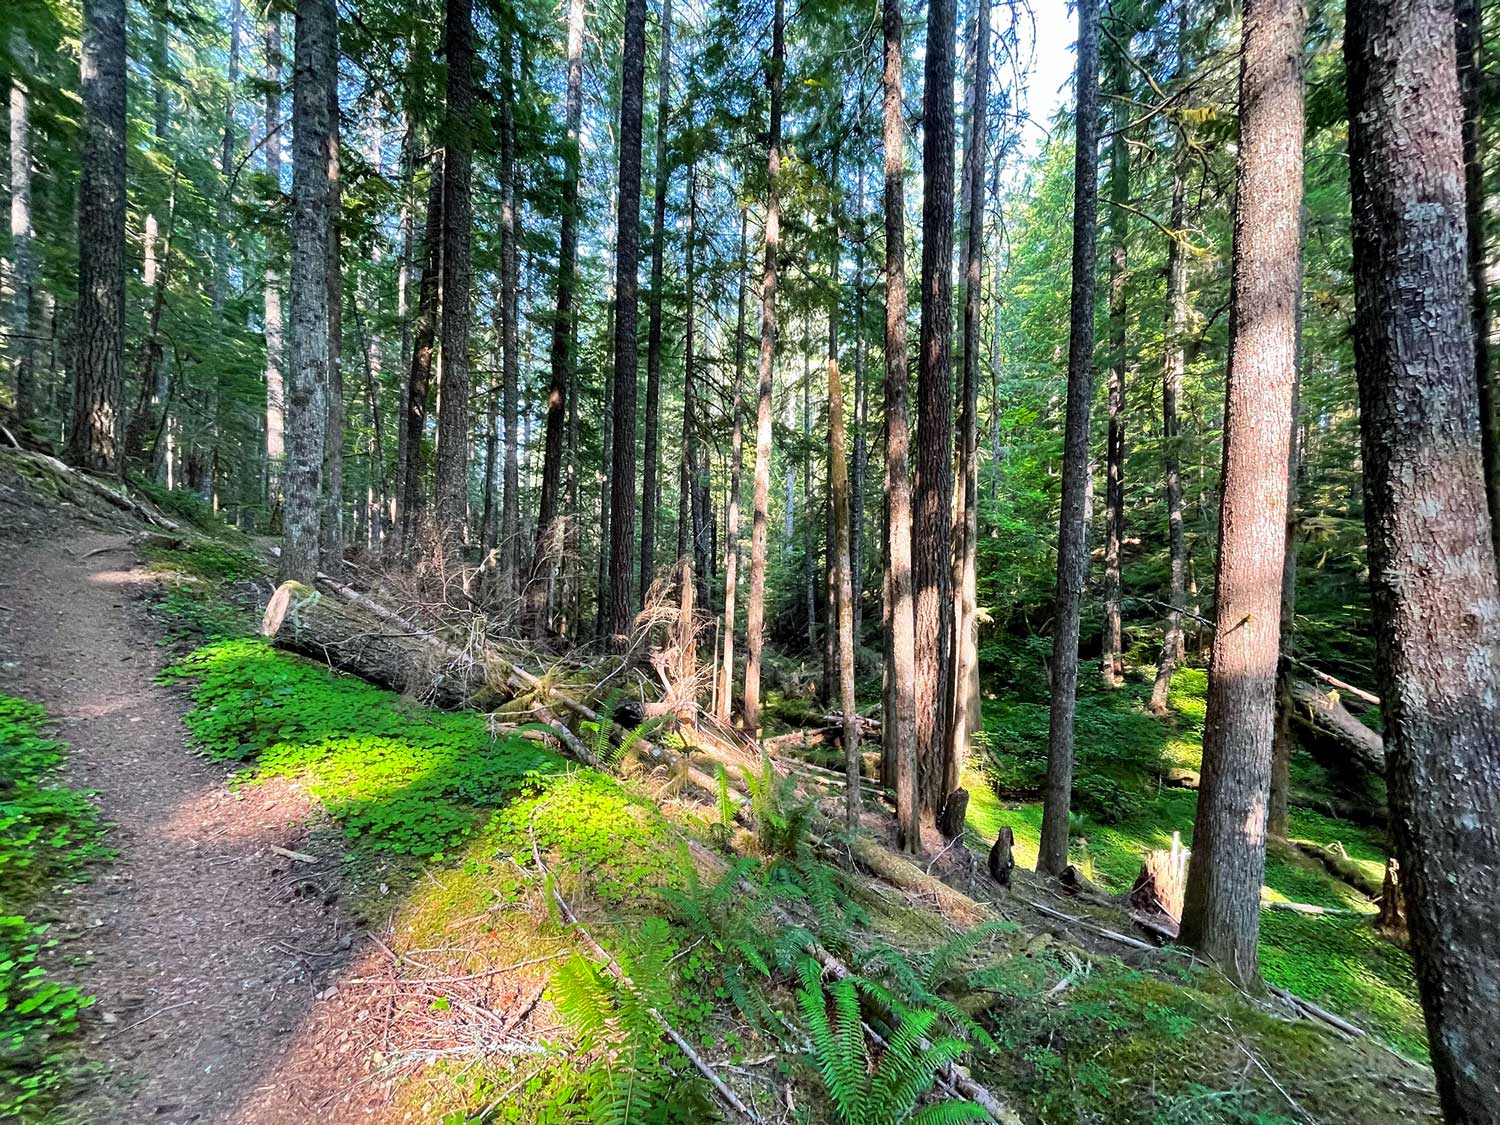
(213, 956)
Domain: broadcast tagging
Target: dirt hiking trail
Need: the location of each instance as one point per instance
(212, 955)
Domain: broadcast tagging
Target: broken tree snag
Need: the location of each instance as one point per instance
(1155, 901)
(302, 620)
(1002, 863)
(955, 810)
(1391, 917)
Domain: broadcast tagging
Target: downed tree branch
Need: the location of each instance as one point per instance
(1329, 724)
(911, 878)
(1307, 1007)
(726, 1095)
(1346, 870)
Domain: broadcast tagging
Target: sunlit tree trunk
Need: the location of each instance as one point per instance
(272, 319)
(1111, 664)
(899, 729)
(1072, 547)
(1432, 567)
(510, 233)
(331, 530)
(1221, 905)
(99, 349)
(23, 300)
(932, 564)
(311, 232)
(226, 161)
(419, 375)
(963, 706)
(736, 465)
(451, 485)
(755, 614)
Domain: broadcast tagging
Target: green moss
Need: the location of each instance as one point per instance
(48, 833)
(400, 777)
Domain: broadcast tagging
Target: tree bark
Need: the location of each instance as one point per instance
(932, 576)
(510, 233)
(963, 707)
(1283, 738)
(307, 383)
(23, 347)
(226, 162)
(627, 300)
(1111, 663)
(736, 467)
(1434, 591)
(839, 486)
(650, 450)
(419, 377)
(1221, 907)
(549, 538)
(1072, 548)
(451, 484)
(755, 614)
(331, 531)
(899, 731)
(94, 438)
(272, 317)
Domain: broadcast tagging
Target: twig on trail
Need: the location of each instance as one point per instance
(300, 857)
(498, 969)
(153, 1015)
(728, 1096)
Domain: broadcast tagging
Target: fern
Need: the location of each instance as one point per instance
(888, 1091)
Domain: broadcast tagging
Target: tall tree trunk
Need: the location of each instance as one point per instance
(1221, 905)
(1468, 37)
(489, 520)
(963, 703)
(693, 514)
(23, 330)
(311, 232)
(560, 393)
(736, 466)
(1072, 546)
(606, 492)
(1111, 663)
(99, 351)
(1174, 366)
(510, 232)
(627, 300)
(932, 576)
(226, 162)
(272, 319)
(755, 614)
(419, 376)
(861, 468)
(332, 529)
(899, 729)
(687, 503)
(838, 487)
(1432, 570)
(1283, 738)
(451, 486)
(148, 378)
(650, 451)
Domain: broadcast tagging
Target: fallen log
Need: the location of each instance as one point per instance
(1332, 733)
(1338, 863)
(301, 619)
(885, 863)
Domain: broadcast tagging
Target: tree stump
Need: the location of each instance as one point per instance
(1002, 863)
(955, 810)
(1156, 897)
(1390, 919)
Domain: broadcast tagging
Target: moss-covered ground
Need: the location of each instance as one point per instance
(1334, 960)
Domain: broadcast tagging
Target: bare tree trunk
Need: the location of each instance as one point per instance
(1111, 663)
(838, 486)
(94, 437)
(963, 706)
(1221, 907)
(451, 485)
(1433, 581)
(736, 466)
(650, 452)
(687, 504)
(1283, 738)
(1171, 428)
(932, 576)
(1072, 548)
(489, 519)
(560, 393)
(510, 233)
(23, 347)
(861, 470)
(755, 615)
(331, 532)
(275, 341)
(419, 377)
(226, 162)
(307, 382)
(898, 735)
(627, 299)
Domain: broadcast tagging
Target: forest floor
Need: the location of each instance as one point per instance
(410, 964)
(207, 950)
